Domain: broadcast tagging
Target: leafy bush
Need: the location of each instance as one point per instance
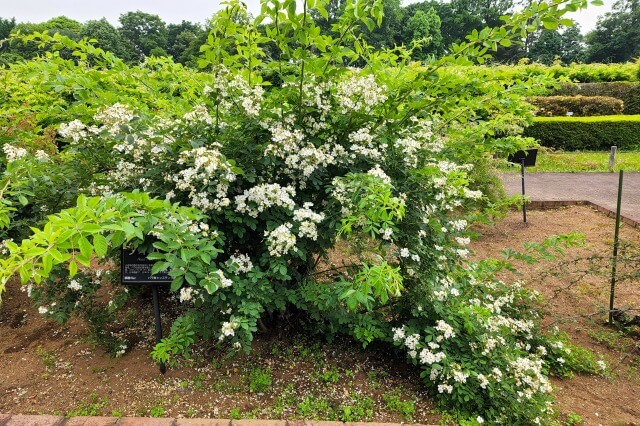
(574, 73)
(577, 106)
(585, 73)
(587, 133)
(248, 191)
(628, 93)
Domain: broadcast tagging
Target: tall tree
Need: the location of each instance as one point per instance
(616, 37)
(108, 38)
(180, 38)
(546, 48)
(63, 25)
(6, 26)
(147, 34)
(573, 47)
(461, 17)
(388, 34)
(423, 25)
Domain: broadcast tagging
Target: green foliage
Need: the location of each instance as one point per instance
(574, 419)
(395, 404)
(48, 358)
(94, 406)
(424, 25)
(360, 410)
(577, 106)
(330, 376)
(249, 185)
(146, 33)
(235, 414)
(616, 37)
(108, 38)
(628, 93)
(550, 47)
(572, 358)
(65, 90)
(259, 380)
(587, 133)
(576, 73)
(157, 411)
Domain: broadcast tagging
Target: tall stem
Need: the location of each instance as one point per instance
(304, 24)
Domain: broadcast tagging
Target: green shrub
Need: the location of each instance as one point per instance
(251, 187)
(578, 106)
(591, 73)
(628, 93)
(587, 133)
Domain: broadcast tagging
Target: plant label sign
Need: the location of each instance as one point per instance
(528, 156)
(136, 269)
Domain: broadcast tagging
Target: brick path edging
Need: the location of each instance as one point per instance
(28, 420)
(541, 205)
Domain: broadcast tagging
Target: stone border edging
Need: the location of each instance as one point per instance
(47, 420)
(541, 205)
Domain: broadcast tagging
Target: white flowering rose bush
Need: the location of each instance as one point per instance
(243, 197)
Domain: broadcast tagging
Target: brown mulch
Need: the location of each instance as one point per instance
(51, 369)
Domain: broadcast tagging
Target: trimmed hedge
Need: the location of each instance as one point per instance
(578, 73)
(577, 106)
(629, 93)
(587, 133)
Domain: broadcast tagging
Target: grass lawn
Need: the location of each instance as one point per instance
(580, 161)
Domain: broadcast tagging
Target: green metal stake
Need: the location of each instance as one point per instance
(615, 249)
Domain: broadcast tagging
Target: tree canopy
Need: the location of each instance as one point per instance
(435, 25)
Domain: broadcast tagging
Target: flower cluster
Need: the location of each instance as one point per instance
(13, 152)
(200, 113)
(281, 240)
(241, 262)
(262, 197)
(113, 117)
(360, 94)
(228, 329)
(208, 168)
(307, 221)
(74, 130)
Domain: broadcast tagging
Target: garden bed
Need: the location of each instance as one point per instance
(50, 369)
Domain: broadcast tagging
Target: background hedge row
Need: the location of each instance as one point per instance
(628, 93)
(577, 73)
(577, 106)
(587, 133)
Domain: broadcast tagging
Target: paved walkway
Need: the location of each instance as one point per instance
(598, 189)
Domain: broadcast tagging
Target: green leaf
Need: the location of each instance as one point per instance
(100, 245)
(85, 248)
(47, 263)
(117, 239)
(550, 24)
(177, 283)
(159, 267)
(73, 269)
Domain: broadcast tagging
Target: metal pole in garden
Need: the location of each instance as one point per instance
(156, 311)
(524, 204)
(615, 249)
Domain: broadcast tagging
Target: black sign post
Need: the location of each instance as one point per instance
(136, 269)
(525, 159)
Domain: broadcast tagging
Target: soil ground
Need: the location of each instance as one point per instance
(577, 289)
(49, 369)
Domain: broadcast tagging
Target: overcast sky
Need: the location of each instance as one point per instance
(171, 11)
